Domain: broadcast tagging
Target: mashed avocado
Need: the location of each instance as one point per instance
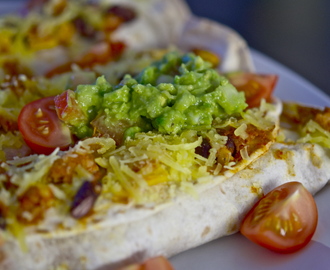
(179, 92)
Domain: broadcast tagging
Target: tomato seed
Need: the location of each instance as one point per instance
(45, 131)
(39, 113)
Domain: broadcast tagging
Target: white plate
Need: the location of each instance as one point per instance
(236, 252)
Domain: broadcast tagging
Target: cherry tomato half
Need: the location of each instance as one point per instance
(157, 263)
(41, 129)
(255, 86)
(284, 220)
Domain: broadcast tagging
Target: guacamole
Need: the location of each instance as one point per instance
(177, 93)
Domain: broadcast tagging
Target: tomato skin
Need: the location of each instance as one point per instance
(284, 220)
(40, 127)
(255, 86)
(156, 263)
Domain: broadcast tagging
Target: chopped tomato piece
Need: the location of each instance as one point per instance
(284, 220)
(41, 129)
(67, 107)
(255, 86)
(157, 263)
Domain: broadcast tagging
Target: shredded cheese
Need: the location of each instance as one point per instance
(244, 153)
(241, 131)
(314, 133)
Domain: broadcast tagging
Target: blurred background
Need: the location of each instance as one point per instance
(295, 33)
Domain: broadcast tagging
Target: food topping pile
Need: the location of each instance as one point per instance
(78, 137)
(175, 124)
(175, 94)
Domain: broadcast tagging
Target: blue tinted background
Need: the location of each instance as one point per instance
(293, 32)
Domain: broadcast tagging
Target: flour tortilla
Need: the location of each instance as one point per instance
(122, 234)
(128, 233)
(135, 234)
